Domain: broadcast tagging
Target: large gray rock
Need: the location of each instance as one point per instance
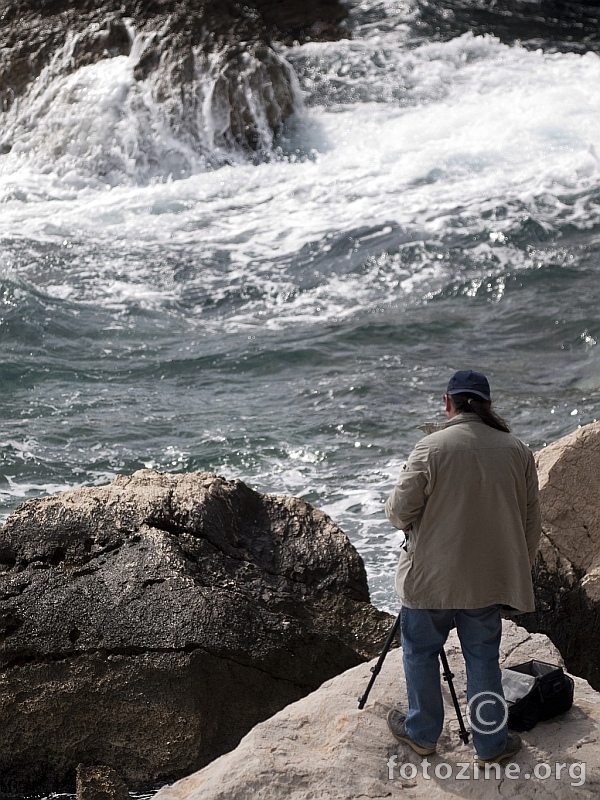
(324, 747)
(149, 624)
(567, 570)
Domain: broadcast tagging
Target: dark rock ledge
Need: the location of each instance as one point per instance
(149, 624)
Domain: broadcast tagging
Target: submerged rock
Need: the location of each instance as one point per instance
(567, 570)
(149, 624)
(324, 747)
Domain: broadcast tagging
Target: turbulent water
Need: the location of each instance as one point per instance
(434, 204)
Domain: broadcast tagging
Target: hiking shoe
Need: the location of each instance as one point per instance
(512, 747)
(395, 721)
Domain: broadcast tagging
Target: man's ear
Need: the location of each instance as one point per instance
(449, 404)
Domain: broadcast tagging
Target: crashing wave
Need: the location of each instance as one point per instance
(126, 120)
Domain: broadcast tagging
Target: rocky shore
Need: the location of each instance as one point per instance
(149, 625)
(324, 747)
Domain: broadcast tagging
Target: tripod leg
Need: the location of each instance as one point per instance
(377, 668)
(464, 734)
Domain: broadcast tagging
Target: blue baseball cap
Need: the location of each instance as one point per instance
(465, 380)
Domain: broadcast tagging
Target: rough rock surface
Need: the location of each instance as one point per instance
(99, 783)
(324, 747)
(567, 570)
(147, 625)
(179, 36)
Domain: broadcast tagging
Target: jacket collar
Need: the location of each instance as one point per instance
(433, 427)
(468, 418)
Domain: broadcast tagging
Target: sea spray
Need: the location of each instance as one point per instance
(101, 126)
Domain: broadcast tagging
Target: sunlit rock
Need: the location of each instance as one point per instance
(567, 570)
(324, 747)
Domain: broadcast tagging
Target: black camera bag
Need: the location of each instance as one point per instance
(551, 693)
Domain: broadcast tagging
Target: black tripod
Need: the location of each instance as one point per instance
(447, 675)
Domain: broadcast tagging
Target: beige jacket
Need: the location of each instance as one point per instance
(468, 501)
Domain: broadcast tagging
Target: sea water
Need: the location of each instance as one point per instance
(289, 318)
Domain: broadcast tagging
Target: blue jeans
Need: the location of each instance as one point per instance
(424, 633)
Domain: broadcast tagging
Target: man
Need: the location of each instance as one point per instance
(467, 500)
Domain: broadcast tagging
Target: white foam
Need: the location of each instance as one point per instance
(469, 126)
(19, 491)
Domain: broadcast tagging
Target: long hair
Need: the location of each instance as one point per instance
(467, 403)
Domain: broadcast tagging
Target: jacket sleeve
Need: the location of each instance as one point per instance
(533, 528)
(407, 501)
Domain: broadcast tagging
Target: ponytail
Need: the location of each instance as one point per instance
(467, 403)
